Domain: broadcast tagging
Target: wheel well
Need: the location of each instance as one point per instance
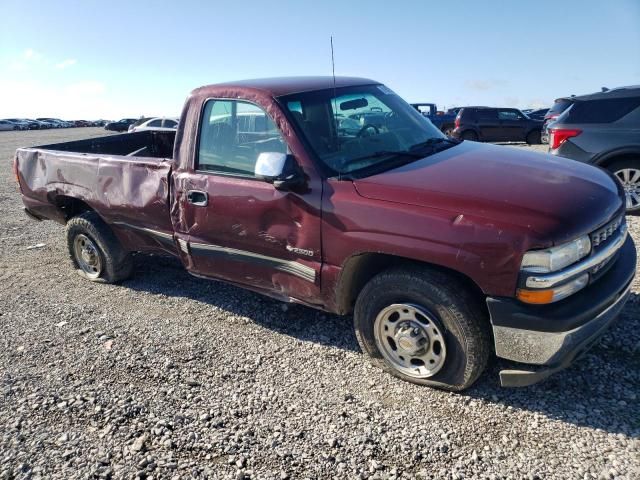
(472, 130)
(359, 269)
(604, 163)
(71, 207)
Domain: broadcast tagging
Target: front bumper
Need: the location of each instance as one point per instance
(542, 339)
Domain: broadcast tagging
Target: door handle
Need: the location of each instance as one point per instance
(198, 198)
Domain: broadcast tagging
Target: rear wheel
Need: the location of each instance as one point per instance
(628, 173)
(534, 138)
(95, 251)
(424, 327)
(470, 135)
(448, 130)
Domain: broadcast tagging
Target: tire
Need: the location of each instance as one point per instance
(534, 137)
(469, 135)
(627, 172)
(102, 259)
(448, 130)
(448, 306)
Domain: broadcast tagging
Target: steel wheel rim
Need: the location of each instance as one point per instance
(410, 340)
(630, 179)
(87, 255)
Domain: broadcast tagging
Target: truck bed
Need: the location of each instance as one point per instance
(139, 144)
(124, 178)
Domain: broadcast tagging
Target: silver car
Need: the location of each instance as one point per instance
(7, 125)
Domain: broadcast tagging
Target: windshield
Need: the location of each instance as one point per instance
(363, 129)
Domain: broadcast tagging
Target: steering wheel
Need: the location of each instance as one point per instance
(367, 127)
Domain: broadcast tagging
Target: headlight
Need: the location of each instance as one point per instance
(553, 260)
(556, 258)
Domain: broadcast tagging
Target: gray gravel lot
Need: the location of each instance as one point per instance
(170, 376)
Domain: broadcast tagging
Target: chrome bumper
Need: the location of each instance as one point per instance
(549, 348)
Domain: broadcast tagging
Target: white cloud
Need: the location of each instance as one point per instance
(28, 58)
(69, 62)
(484, 84)
(31, 54)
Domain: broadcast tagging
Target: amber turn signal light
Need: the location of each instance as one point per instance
(535, 296)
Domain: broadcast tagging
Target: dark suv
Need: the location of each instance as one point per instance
(488, 124)
(604, 129)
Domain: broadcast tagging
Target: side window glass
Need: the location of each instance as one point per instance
(169, 124)
(154, 123)
(507, 115)
(486, 115)
(232, 135)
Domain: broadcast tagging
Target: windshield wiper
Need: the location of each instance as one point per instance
(433, 141)
(387, 153)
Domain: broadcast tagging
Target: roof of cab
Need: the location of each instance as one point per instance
(279, 86)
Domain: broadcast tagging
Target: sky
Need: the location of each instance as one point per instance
(113, 59)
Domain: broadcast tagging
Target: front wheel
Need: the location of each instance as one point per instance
(423, 326)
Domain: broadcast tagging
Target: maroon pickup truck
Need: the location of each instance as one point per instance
(342, 197)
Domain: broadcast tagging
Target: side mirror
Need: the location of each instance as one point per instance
(270, 165)
(280, 169)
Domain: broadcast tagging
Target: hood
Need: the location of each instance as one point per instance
(557, 198)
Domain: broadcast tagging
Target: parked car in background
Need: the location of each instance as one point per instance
(446, 252)
(604, 129)
(44, 124)
(19, 124)
(82, 123)
(559, 106)
(120, 125)
(158, 123)
(443, 121)
(23, 123)
(140, 121)
(55, 122)
(33, 124)
(489, 124)
(537, 114)
(6, 125)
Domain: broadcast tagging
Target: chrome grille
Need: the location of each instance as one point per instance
(601, 235)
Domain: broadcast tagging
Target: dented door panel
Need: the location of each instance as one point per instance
(252, 234)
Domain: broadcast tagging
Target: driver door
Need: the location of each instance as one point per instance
(236, 227)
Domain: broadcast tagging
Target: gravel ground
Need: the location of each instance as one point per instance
(170, 376)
